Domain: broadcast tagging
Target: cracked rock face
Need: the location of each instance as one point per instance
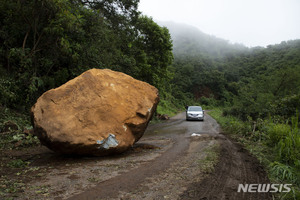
(97, 113)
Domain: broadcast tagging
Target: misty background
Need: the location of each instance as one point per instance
(249, 22)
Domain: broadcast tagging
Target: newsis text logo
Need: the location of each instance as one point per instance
(264, 188)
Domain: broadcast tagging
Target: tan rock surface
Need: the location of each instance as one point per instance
(97, 113)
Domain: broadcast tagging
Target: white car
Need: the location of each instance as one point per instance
(194, 113)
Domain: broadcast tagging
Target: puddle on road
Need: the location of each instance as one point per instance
(165, 132)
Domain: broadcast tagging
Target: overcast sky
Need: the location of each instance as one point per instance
(250, 22)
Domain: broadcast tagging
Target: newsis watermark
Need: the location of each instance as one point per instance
(260, 188)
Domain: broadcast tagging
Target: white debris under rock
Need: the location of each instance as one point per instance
(109, 142)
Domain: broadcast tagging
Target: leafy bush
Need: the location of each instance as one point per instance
(277, 132)
(285, 107)
(289, 146)
(8, 91)
(212, 102)
(283, 172)
(14, 138)
(285, 139)
(166, 107)
(18, 163)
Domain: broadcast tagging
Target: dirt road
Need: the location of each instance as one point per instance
(167, 163)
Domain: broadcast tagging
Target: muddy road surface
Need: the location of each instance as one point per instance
(167, 163)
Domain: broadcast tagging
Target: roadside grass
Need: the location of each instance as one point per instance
(207, 165)
(276, 145)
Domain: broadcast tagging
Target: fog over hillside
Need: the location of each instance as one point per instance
(189, 40)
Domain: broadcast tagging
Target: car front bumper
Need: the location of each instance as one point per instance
(195, 118)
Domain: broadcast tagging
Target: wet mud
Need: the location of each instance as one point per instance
(167, 163)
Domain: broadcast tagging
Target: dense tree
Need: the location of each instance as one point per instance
(44, 43)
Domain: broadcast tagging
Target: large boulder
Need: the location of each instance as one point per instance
(97, 113)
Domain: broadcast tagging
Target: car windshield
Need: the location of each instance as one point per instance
(194, 108)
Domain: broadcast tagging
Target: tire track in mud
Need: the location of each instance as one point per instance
(236, 166)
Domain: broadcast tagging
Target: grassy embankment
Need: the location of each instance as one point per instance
(276, 145)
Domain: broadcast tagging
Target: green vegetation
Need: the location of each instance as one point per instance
(18, 163)
(46, 43)
(14, 130)
(211, 159)
(275, 144)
